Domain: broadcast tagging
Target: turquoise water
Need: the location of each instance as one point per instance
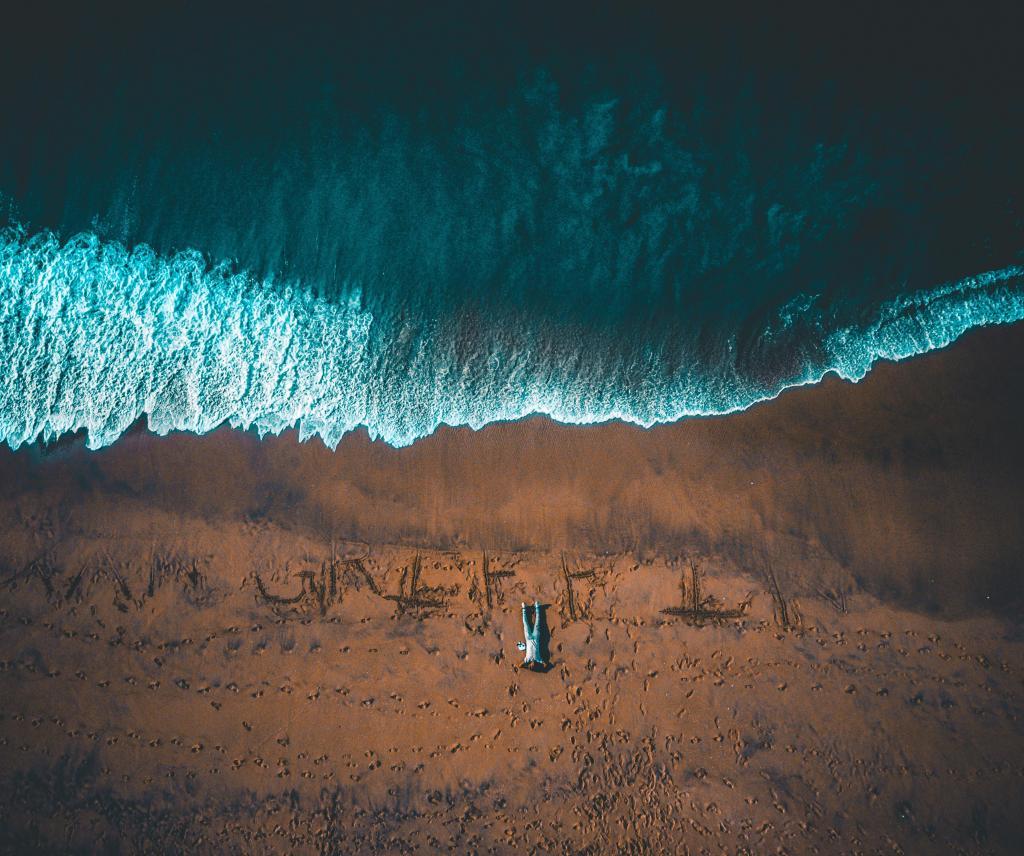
(96, 335)
(439, 219)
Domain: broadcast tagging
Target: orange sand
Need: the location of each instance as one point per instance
(152, 697)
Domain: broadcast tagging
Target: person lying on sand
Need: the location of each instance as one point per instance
(531, 646)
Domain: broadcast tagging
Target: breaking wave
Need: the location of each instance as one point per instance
(94, 335)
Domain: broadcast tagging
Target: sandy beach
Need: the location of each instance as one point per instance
(227, 644)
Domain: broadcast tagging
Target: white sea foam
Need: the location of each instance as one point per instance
(93, 335)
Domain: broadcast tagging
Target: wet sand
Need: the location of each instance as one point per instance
(222, 644)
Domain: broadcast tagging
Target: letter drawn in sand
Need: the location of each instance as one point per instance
(576, 610)
(414, 596)
(697, 607)
(320, 590)
(489, 578)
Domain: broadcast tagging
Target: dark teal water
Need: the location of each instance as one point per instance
(459, 216)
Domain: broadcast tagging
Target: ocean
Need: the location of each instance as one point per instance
(412, 216)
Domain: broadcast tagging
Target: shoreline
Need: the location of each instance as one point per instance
(906, 485)
(195, 651)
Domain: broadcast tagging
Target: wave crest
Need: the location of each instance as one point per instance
(95, 335)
